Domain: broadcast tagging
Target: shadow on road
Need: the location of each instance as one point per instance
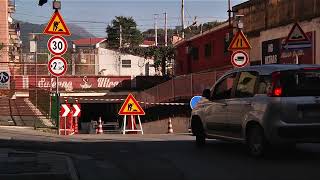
(181, 159)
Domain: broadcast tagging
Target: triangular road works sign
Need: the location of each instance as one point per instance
(131, 107)
(239, 42)
(57, 26)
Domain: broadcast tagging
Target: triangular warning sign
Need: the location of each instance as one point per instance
(239, 42)
(131, 107)
(297, 35)
(57, 26)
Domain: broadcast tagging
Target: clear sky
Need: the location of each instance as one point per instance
(95, 15)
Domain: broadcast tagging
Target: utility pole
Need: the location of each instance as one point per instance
(229, 12)
(182, 17)
(120, 45)
(155, 29)
(165, 29)
(120, 38)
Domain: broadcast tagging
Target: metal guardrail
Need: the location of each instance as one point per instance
(181, 87)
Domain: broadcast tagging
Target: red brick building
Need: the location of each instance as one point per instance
(204, 52)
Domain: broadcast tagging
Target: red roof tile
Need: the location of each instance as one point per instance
(87, 41)
(148, 43)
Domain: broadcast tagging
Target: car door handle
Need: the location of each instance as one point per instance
(247, 104)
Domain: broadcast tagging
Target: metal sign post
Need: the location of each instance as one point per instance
(297, 57)
(65, 126)
(57, 45)
(76, 109)
(297, 40)
(65, 111)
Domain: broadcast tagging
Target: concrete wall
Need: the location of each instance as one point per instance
(179, 124)
(4, 30)
(272, 19)
(255, 52)
(109, 60)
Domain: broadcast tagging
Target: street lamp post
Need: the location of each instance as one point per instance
(33, 37)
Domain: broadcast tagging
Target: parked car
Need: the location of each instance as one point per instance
(261, 106)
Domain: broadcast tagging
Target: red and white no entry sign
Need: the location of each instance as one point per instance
(239, 59)
(57, 66)
(57, 45)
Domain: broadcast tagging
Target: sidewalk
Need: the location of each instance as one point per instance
(22, 165)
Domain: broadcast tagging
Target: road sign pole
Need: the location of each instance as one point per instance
(65, 125)
(58, 105)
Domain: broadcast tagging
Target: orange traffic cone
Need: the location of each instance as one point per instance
(100, 130)
(170, 129)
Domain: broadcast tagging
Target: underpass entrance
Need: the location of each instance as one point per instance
(93, 111)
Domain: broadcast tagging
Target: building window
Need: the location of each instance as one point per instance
(195, 53)
(126, 63)
(208, 50)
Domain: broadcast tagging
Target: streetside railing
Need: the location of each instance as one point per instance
(180, 88)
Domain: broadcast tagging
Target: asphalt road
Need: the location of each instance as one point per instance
(153, 157)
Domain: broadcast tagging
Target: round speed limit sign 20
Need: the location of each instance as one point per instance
(57, 45)
(57, 66)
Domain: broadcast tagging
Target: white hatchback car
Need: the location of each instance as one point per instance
(261, 106)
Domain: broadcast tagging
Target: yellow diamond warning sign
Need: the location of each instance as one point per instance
(239, 42)
(57, 26)
(131, 107)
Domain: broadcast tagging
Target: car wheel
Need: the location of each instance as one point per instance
(200, 140)
(198, 131)
(256, 141)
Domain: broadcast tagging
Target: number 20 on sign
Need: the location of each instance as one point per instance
(57, 66)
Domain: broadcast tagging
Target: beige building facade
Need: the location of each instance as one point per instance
(4, 31)
(267, 23)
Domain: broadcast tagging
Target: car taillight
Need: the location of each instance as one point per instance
(276, 89)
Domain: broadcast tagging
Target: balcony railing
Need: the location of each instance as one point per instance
(12, 29)
(11, 6)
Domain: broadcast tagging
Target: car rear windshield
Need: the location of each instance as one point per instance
(303, 82)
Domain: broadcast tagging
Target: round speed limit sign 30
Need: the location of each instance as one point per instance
(57, 45)
(57, 66)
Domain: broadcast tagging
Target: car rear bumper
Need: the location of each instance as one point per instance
(295, 133)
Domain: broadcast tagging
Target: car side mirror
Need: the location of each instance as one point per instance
(206, 93)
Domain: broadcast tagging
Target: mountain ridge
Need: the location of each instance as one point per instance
(77, 32)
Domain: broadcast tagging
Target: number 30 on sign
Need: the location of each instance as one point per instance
(57, 45)
(57, 66)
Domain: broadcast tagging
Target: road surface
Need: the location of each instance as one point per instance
(165, 157)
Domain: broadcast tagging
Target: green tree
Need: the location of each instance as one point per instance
(130, 34)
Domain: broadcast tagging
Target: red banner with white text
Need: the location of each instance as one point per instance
(70, 83)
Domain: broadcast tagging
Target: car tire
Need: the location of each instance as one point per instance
(200, 140)
(256, 141)
(198, 131)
